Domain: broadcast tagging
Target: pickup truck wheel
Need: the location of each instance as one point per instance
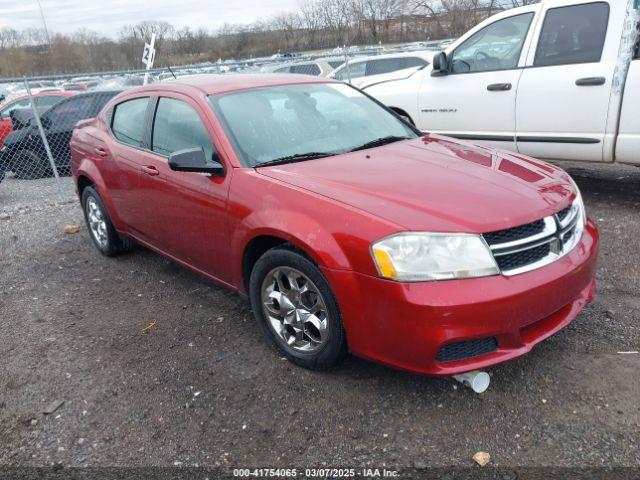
(28, 165)
(293, 303)
(102, 232)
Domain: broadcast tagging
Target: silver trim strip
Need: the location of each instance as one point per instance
(554, 230)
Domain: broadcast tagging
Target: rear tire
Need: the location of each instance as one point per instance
(105, 237)
(293, 303)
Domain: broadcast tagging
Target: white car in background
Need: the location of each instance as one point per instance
(367, 71)
(318, 68)
(558, 80)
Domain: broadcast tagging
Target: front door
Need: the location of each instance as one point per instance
(186, 211)
(563, 96)
(476, 99)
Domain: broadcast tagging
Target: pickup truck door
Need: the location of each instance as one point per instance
(563, 97)
(476, 99)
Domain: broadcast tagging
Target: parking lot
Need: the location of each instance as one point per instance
(157, 366)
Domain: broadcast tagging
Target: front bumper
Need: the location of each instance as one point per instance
(405, 325)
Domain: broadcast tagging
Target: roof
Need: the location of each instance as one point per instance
(215, 83)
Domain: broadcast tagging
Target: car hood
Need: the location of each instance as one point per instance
(436, 184)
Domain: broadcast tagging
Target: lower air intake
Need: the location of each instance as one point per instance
(467, 349)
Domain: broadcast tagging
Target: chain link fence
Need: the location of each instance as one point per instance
(38, 114)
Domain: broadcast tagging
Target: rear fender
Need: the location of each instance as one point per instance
(86, 168)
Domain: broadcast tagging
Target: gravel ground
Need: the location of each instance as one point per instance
(201, 387)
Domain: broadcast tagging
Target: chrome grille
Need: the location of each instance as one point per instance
(534, 245)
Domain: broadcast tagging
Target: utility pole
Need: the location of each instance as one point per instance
(44, 23)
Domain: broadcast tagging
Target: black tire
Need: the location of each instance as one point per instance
(334, 347)
(115, 243)
(28, 165)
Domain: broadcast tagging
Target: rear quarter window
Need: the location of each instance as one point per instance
(128, 123)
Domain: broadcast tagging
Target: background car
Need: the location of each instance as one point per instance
(24, 153)
(367, 70)
(42, 101)
(317, 68)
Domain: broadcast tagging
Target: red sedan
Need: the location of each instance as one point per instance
(348, 229)
(42, 100)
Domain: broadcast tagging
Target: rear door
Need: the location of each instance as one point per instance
(563, 97)
(129, 142)
(476, 100)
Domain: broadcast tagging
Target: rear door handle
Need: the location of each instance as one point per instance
(101, 152)
(150, 170)
(499, 87)
(591, 81)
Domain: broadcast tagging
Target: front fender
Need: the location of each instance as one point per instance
(299, 229)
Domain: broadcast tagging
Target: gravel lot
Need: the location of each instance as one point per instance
(201, 387)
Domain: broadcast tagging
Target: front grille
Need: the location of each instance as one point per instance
(515, 233)
(524, 257)
(563, 214)
(535, 244)
(467, 349)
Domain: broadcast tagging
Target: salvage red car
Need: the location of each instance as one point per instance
(42, 100)
(348, 229)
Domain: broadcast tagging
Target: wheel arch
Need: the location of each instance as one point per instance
(87, 174)
(320, 248)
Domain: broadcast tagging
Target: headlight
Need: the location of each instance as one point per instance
(579, 205)
(415, 257)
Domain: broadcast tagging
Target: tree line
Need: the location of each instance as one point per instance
(316, 24)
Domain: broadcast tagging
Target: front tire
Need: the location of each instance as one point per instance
(293, 303)
(105, 237)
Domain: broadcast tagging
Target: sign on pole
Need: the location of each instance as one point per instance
(149, 56)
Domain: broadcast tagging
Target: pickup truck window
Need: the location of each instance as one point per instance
(573, 34)
(128, 121)
(496, 47)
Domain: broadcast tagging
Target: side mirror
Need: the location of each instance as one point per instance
(194, 160)
(440, 65)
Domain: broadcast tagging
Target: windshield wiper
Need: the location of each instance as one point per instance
(298, 157)
(379, 142)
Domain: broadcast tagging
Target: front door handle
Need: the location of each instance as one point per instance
(591, 81)
(150, 170)
(499, 87)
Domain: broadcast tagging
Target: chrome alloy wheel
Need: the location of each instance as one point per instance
(295, 309)
(97, 223)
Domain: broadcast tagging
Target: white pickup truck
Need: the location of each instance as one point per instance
(557, 80)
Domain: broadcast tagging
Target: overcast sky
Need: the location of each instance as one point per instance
(108, 16)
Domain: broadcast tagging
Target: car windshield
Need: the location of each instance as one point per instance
(300, 122)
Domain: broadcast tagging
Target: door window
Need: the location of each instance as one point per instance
(70, 111)
(384, 65)
(6, 112)
(48, 100)
(351, 70)
(496, 47)
(306, 69)
(177, 126)
(573, 34)
(129, 121)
